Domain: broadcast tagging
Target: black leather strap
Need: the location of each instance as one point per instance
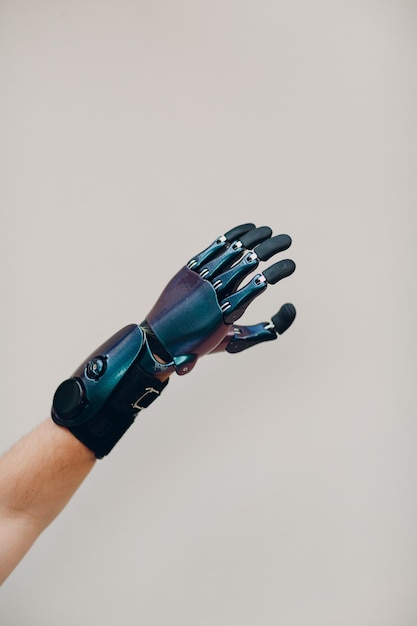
(136, 391)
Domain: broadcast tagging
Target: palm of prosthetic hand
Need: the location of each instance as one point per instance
(195, 313)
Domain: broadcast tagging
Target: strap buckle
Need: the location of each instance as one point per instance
(148, 391)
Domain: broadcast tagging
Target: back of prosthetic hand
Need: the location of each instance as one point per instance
(195, 315)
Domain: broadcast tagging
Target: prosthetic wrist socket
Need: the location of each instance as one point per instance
(103, 397)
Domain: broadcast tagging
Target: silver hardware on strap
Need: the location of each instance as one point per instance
(148, 390)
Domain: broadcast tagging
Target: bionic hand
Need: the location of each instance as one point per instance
(194, 315)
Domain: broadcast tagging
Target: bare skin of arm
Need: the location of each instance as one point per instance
(38, 476)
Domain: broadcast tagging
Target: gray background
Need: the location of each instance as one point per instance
(278, 487)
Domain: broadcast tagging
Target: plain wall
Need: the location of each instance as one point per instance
(273, 487)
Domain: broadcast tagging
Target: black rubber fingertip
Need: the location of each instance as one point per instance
(279, 270)
(255, 236)
(272, 246)
(236, 232)
(284, 318)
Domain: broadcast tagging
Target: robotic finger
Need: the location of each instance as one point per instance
(284, 318)
(234, 252)
(241, 338)
(235, 305)
(279, 270)
(228, 282)
(218, 245)
(272, 246)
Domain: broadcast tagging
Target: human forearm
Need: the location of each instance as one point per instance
(38, 476)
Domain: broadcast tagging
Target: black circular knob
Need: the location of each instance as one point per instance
(69, 398)
(96, 367)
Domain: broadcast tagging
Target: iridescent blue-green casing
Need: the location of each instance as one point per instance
(103, 397)
(187, 319)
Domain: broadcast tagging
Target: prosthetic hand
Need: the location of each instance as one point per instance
(194, 315)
